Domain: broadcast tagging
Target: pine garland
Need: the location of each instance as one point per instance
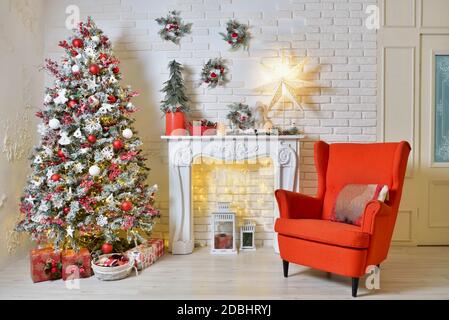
(173, 28)
(241, 116)
(237, 35)
(175, 97)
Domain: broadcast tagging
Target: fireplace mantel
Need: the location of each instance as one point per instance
(183, 150)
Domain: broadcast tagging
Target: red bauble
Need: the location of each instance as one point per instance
(92, 139)
(213, 75)
(61, 153)
(117, 144)
(234, 35)
(94, 69)
(126, 206)
(107, 248)
(78, 43)
(116, 70)
(103, 56)
(55, 177)
(66, 210)
(72, 103)
(112, 99)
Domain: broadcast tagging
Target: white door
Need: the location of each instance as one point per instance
(433, 226)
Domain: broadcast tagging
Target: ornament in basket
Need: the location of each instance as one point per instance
(113, 266)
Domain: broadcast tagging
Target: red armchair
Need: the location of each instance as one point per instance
(307, 236)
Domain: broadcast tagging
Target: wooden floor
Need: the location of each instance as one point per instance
(409, 273)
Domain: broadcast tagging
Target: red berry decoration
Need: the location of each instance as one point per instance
(72, 103)
(106, 248)
(116, 70)
(55, 177)
(94, 69)
(92, 139)
(213, 75)
(117, 144)
(234, 35)
(53, 270)
(66, 210)
(112, 99)
(74, 53)
(61, 153)
(126, 206)
(103, 56)
(78, 43)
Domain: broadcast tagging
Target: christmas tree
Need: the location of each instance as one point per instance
(88, 183)
(174, 89)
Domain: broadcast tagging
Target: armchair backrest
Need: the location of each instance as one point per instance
(340, 164)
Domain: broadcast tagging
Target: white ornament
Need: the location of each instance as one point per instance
(102, 220)
(127, 133)
(64, 140)
(38, 159)
(70, 231)
(54, 124)
(75, 68)
(90, 52)
(107, 153)
(112, 80)
(92, 125)
(105, 108)
(48, 98)
(78, 134)
(61, 98)
(94, 171)
(95, 39)
(91, 84)
(30, 199)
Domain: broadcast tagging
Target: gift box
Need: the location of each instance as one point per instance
(45, 264)
(146, 253)
(76, 264)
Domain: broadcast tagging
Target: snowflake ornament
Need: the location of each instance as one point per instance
(92, 125)
(43, 206)
(102, 220)
(38, 159)
(90, 52)
(108, 153)
(65, 139)
(61, 98)
(78, 134)
(105, 108)
(48, 98)
(70, 231)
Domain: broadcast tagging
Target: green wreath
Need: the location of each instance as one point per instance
(241, 116)
(214, 73)
(173, 29)
(237, 35)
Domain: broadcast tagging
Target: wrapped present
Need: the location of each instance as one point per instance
(45, 264)
(76, 264)
(147, 253)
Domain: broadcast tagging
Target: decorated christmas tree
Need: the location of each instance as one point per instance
(88, 184)
(175, 92)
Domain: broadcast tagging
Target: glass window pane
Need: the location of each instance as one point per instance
(442, 108)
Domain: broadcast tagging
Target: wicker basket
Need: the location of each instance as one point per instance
(112, 273)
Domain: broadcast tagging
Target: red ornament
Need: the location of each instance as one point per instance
(234, 35)
(116, 70)
(78, 43)
(72, 103)
(61, 153)
(117, 144)
(66, 210)
(107, 248)
(53, 270)
(55, 177)
(74, 53)
(213, 75)
(230, 42)
(112, 99)
(94, 69)
(126, 206)
(103, 56)
(92, 139)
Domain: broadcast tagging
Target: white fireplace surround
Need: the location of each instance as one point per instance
(183, 150)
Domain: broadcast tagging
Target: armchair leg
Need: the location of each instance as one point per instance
(285, 266)
(355, 286)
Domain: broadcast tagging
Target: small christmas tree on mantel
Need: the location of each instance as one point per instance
(176, 103)
(88, 186)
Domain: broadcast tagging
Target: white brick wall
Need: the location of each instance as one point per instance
(340, 105)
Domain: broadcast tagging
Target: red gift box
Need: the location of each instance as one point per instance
(146, 253)
(45, 264)
(76, 264)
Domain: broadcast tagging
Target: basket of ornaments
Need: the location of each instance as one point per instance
(112, 266)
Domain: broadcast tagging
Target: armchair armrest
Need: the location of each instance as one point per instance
(376, 212)
(293, 205)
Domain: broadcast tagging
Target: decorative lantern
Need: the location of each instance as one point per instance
(247, 235)
(223, 230)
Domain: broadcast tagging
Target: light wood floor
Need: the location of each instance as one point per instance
(408, 273)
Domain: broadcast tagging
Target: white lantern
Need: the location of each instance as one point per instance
(223, 231)
(247, 235)
(127, 133)
(94, 171)
(54, 124)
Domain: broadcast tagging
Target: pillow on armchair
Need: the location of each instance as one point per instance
(352, 199)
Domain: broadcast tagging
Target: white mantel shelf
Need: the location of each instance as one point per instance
(283, 150)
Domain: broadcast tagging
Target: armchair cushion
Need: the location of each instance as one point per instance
(352, 199)
(324, 231)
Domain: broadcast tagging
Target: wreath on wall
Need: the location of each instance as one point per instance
(173, 28)
(241, 116)
(237, 35)
(214, 73)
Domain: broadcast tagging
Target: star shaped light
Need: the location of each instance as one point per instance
(70, 231)
(286, 80)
